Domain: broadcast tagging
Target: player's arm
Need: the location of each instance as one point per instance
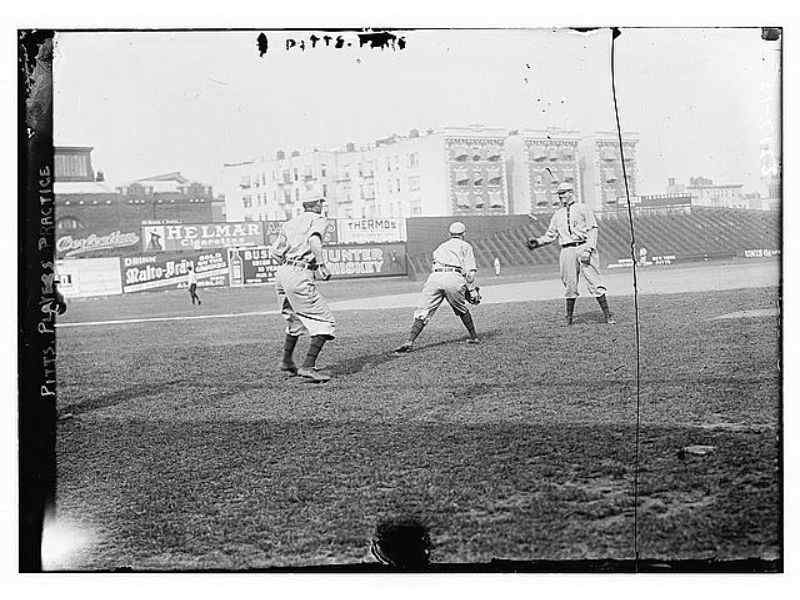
(469, 266)
(279, 247)
(315, 243)
(551, 234)
(590, 224)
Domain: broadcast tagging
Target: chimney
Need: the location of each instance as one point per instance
(280, 155)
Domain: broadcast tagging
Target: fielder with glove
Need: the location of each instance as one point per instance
(453, 279)
(575, 228)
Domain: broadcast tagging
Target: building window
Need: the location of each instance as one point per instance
(413, 183)
(413, 160)
(324, 190)
(296, 175)
(323, 170)
(68, 224)
(398, 185)
(297, 195)
(247, 201)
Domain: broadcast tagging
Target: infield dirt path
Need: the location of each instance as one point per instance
(697, 277)
(669, 280)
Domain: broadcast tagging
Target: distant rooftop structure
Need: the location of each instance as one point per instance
(83, 187)
(73, 163)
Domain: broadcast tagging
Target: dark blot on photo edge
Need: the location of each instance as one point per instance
(771, 34)
(402, 542)
(263, 44)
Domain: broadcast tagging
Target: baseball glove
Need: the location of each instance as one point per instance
(532, 244)
(586, 256)
(473, 296)
(59, 304)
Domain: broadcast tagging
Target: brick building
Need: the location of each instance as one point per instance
(601, 169)
(536, 162)
(87, 205)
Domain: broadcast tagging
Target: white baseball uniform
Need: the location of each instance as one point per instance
(452, 260)
(576, 229)
(299, 301)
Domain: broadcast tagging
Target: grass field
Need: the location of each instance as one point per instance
(188, 449)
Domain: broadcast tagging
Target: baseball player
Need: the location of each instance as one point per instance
(191, 278)
(575, 228)
(299, 249)
(452, 279)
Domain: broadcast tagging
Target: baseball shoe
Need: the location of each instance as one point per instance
(611, 320)
(406, 347)
(290, 368)
(313, 375)
(473, 341)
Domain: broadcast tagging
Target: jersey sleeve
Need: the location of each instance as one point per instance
(552, 230)
(469, 258)
(318, 226)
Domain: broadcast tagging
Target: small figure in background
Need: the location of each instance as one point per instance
(497, 266)
(191, 278)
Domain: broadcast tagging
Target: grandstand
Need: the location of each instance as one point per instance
(703, 233)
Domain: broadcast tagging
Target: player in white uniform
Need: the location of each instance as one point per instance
(575, 228)
(299, 248)
(453, 273)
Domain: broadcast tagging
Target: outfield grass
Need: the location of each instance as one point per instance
(188, 449)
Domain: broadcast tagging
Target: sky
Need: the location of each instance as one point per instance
(156, 102)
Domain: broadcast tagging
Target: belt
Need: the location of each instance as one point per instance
(447, 268)
(572, 244)
(300, 264)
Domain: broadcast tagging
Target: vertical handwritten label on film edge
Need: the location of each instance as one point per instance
(46, 325)
(382, 40)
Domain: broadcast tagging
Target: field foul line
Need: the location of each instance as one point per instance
(158, 319)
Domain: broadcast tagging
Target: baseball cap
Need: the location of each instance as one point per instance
(564, 186)
(457, 228)
(313, 202)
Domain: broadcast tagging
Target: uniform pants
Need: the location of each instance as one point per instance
(193, 292)
(446, 285)
(572, 268)
(301, 304)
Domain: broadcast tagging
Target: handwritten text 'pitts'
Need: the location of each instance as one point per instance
(373, 39)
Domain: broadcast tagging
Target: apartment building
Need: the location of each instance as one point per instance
(453, 171)
(601, 169)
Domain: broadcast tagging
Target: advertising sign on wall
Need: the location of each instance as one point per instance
(761, 252)
(367, 260)
(159, 272)
(273, 228)
(251, 266)
(81, 245)
(88, 277)
(201, 236)
(366, 231)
